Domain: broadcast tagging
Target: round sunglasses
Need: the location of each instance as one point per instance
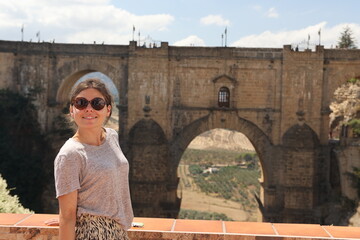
(96, 103)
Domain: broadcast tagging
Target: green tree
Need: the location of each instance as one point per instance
(355, 125)
(248, 157)
(8, 203)
(195, 169)
(23, 150)
(346, 39)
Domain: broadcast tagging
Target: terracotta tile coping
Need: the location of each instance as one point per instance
(278, 230)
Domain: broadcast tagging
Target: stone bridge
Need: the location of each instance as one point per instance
(278, 98)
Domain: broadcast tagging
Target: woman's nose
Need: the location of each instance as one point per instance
(89, 108)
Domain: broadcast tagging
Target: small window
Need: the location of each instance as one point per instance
(224, 97)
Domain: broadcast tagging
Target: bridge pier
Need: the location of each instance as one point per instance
(155, 199)
(153, 187)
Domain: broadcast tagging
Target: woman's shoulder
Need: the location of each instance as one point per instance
(71, 147)
(112, 136)
(71, 155)
(111, 131)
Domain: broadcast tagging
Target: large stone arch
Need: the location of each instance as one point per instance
(232, 121)
(228, 120)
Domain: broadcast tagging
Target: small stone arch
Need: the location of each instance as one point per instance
(300, 136)
(147, 131)
(70, 72)
(66, 85)
(148, 151)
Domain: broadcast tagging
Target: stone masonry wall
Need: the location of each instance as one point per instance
(174, 90)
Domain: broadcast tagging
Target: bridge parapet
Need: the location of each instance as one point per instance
(25, 226)
(47, 48)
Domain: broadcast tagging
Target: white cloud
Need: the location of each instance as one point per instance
(75, 21)
(272, 13)
(257, 8)
(329, 37)
(99, 36)
(190, 41)
(214, 20)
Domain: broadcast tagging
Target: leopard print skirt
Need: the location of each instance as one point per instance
(91, 227)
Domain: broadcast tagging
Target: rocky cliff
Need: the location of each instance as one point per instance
(346, 107)
(222, 139)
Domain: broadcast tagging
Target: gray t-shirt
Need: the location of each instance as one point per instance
(100, 174)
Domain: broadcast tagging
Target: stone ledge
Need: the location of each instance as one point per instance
(31, 226)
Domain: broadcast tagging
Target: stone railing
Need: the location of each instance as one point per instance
(31, 226)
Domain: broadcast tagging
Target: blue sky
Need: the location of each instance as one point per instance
(263, 23)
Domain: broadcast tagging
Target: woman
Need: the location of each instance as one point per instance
(91, 172)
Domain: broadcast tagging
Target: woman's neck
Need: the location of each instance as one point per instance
(90, 136)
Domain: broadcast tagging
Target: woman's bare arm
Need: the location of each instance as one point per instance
(67, 215)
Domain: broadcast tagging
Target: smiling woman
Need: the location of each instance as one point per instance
(91, 172)
(90, 116)
(113, 120)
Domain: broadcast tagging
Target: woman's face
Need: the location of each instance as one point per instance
(89, 117)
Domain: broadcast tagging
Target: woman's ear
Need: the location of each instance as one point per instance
(71, 111)
(108, 110)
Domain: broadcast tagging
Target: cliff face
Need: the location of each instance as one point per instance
(346, 105)
(222, 139)
(345, 108)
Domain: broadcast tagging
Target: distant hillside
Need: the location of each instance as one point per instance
(222, 139)
(229, 192)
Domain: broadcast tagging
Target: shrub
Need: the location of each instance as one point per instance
(355, 125)
(8, 203)
(192, 214)
(353, 80)
(195, 169)
(355, 177)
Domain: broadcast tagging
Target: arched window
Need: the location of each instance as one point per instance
(224, 97)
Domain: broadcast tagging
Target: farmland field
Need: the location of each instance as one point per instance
(229, 191)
